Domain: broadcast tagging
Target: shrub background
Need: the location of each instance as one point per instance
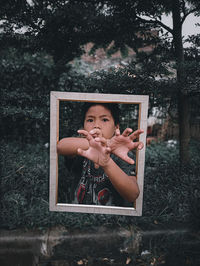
(171, 193)
(170, 196)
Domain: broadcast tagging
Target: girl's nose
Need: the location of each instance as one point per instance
(96, 125)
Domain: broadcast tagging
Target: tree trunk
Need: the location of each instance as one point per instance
(183, 99)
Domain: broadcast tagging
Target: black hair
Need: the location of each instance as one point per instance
(112, 107)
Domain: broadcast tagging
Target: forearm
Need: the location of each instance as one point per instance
(126, 185)
(69, 146)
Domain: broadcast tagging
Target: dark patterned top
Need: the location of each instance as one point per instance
(94, 186)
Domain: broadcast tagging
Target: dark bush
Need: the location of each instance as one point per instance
(170, 194)
(25, 83)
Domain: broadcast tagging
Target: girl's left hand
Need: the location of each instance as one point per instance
(120, 145)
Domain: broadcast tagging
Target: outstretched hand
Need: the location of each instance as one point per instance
(120, 145)
(97, 152)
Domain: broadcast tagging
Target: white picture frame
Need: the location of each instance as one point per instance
(55, 98)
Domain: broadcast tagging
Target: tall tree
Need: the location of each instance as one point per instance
(142, 16)
(180, 9)
(61, 27)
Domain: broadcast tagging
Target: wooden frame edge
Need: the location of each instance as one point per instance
(57, 96)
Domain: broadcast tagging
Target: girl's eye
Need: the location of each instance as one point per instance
(90, 120)
(105, 120)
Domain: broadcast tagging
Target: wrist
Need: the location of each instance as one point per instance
(107, 164)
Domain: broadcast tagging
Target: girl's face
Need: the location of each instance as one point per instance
(99, 117)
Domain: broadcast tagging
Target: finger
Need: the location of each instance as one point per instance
(82, 152)
(128, 159)
(126, 132)
(102, 140)
(96, 132)
(108, 150)
(138, 145)
(141, 145)
(136, 134)
(82, 131)
(85, 133)
(117, 132)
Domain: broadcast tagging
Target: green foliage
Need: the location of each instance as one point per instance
(170, 191)
(25, 83)
(126, 80)
(26, 79)
(24, 184)
(169, 195)
(60, 29)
